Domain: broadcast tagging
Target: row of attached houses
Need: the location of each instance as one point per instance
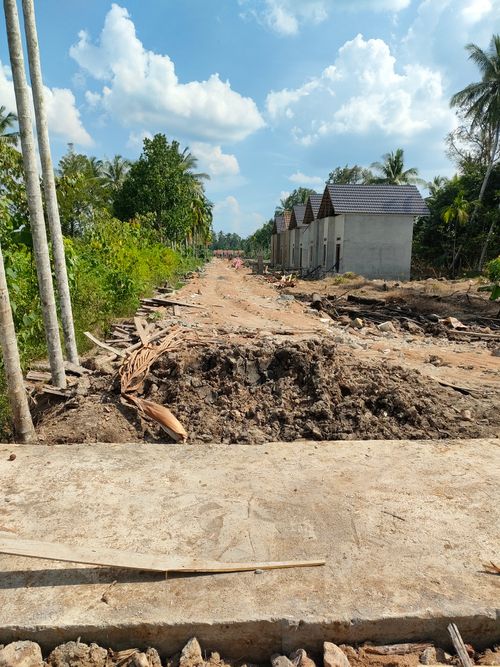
(366, 229)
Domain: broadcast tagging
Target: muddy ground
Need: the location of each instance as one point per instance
(280, 370)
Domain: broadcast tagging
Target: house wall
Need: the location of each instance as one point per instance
(291, 247)
(377, 246)
(274, 239)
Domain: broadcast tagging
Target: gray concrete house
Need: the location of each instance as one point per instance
(280, 239)
(366, 229)
(297, 228)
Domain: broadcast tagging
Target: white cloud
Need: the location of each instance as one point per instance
(63, 115)
(286, 16)
(476, 10)
(306, 181)
(363, 91)
(214, 161)
(141, 88)
(230, 216)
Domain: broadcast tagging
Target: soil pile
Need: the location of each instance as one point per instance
(266, 391)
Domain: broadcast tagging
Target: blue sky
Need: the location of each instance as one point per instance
(268, 94)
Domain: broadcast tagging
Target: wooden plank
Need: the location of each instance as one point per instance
(134, 561)
(459, 645)
(107, 347)
(139, 325)
(171, 302)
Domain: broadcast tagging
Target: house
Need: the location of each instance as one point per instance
(296, 228)
(366, 229)
(280, 239)
(309, 233)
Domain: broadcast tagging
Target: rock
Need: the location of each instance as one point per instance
(101, 364)
(139, 660)
(357, 323)
(387, 327)
(349, 651)
(301, 659)
(191, 654)
(281, 661)
(78, 654)
(495, 352)
(412, 327)
(428, 656)
(286, 297)
(333, 656)
(467, 415)
(489, 657)
(21, 654)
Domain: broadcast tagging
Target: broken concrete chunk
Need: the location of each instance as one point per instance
(74, 654)
(191, 654)
(301, 659)
(387, 327)
(21, 654)
(281, 661)
(429, 656)
(333, 656)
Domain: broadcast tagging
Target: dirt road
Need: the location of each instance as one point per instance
(272, 368)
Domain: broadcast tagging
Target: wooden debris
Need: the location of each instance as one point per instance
(491, 568)
(135, 561)
(157, 301)
(55, 391)
(459, 645)
(114, 350)
(141, 330)
(38, 376)
(462, 390)
(397, 649)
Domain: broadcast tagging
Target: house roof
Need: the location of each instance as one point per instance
(312, 208)
(297, 217)
(281, 222)
(376, 199)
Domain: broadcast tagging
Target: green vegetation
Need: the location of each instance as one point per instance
(111, 261)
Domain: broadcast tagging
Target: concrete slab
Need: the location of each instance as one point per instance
(405, 527)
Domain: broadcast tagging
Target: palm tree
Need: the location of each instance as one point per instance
(114, 172)
(49, 182)
(40, 245)
(7, 120)
(454, 215)
(21, 417)
(392, 171)
(480, 102)
(189, 162)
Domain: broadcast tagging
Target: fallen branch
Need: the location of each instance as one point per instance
(96, 341)
(459, 645)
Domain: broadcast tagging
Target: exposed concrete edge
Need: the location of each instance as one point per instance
(256, 640)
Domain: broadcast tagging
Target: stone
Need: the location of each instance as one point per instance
(281, 661)
(350, 652)
(191, 654)
(21, 654)
(489, 657)
(357, 323)
(428, 656)
(333, 656)
(467, 415)
(496, 352)
(301, 659)
(78, 654)
(386, 327)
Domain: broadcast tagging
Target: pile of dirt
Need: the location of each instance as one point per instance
(264, 392)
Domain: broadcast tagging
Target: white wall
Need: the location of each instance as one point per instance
(377, 246)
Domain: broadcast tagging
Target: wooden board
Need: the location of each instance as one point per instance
(134, 561)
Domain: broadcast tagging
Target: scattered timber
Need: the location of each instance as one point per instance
(396, 649)
(96, 341)
(459, 645)
(135, 561)
(157, 301)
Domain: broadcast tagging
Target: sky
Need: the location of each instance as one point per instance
(269, 95)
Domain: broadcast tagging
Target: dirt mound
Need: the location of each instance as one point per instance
(264, 392)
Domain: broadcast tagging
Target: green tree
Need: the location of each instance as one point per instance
(350, 175)
(392, 170)
(298, 196)
(113, 172)
(7, 120)
(480, 103)
(456, 213)
(161, 182)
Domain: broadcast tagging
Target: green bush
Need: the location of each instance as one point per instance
(110, 268)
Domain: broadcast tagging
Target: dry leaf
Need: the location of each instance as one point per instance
(162, 415)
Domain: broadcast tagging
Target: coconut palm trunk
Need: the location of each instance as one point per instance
(21, 417)
(49, 181)
(487, 175)
(40, 245)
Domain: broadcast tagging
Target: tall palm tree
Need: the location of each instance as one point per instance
(39, 234)
(454, 215)
(114, 172)
(392, 172)
(480, 102)
(189, 163)
(7, 120)
(21, 417)
(49, 184)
